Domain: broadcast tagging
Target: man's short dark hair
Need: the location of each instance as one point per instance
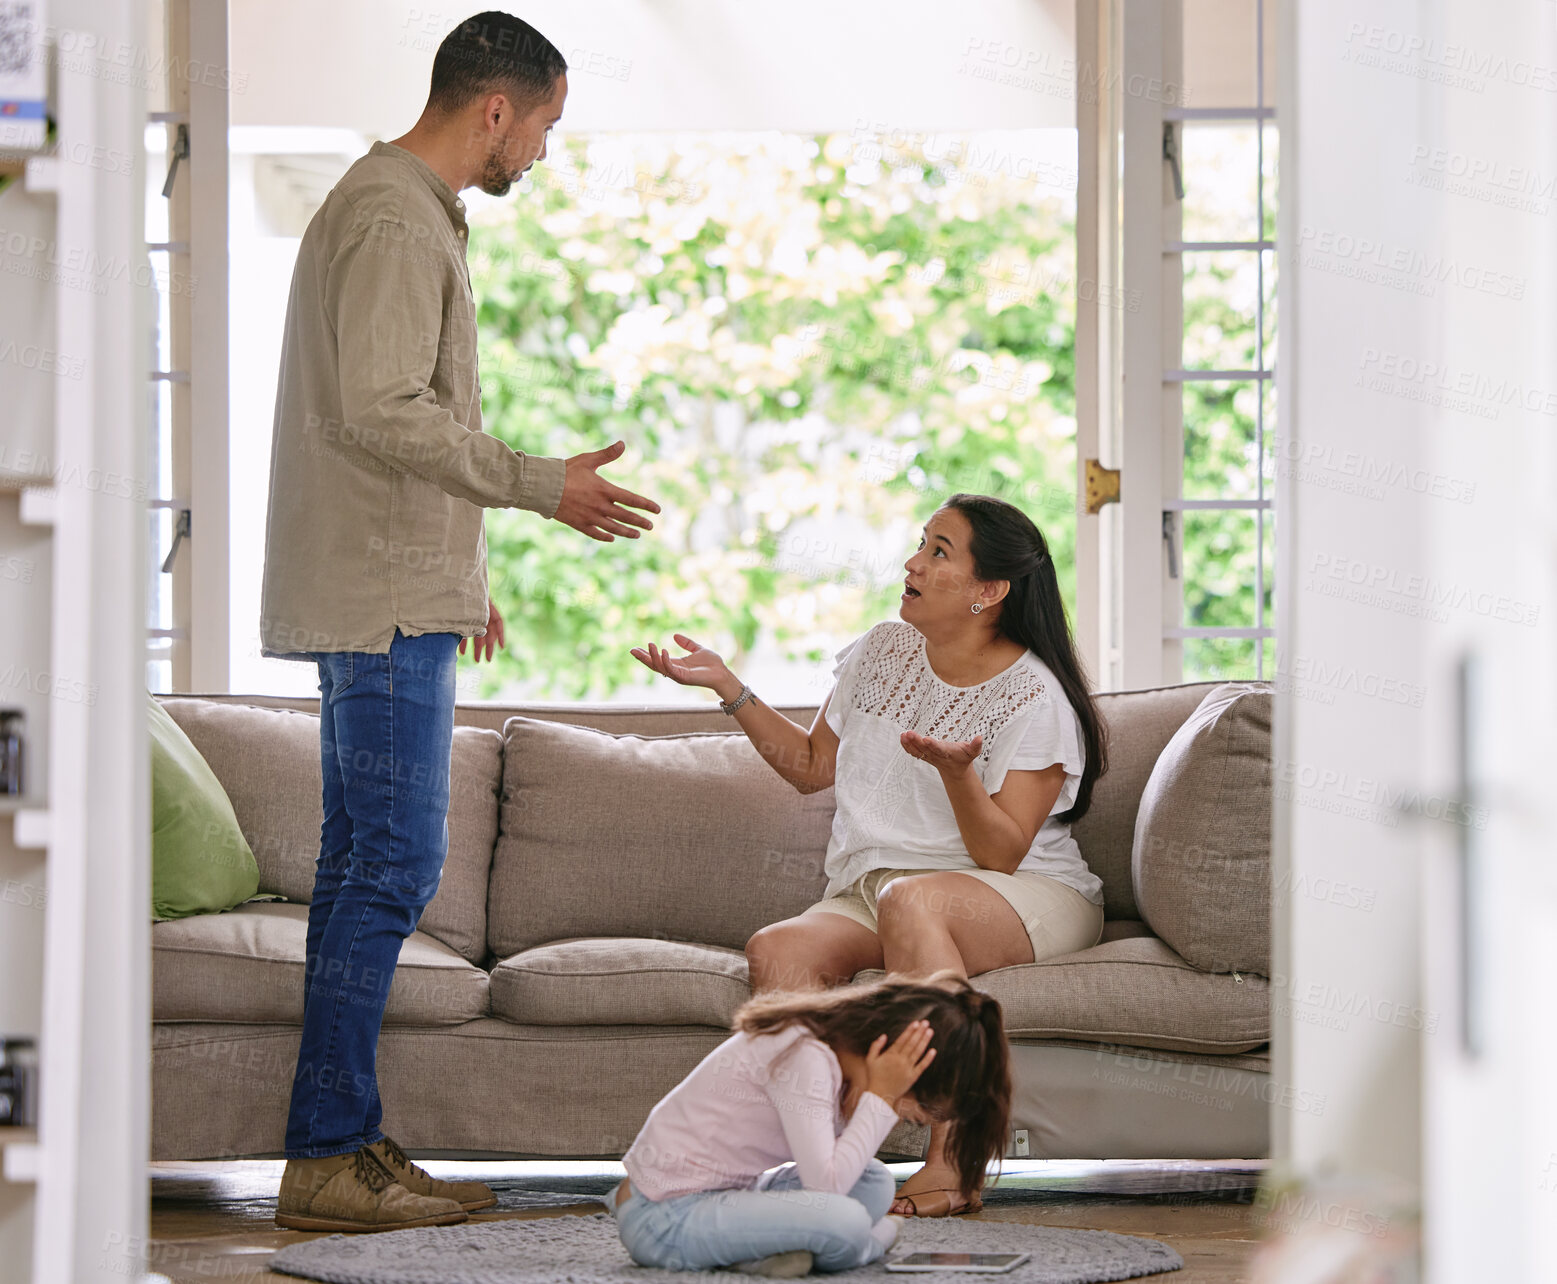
(493, 53)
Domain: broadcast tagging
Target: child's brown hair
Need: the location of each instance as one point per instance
(968, 1081)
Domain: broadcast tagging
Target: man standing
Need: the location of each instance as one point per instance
(375, 571)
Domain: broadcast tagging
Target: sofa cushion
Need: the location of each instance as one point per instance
(268, 761)
(246, 966)
(1201, 863)
(621, 981)
(1139, 724)
(200, 862)
(689, 837)
(1135, 992)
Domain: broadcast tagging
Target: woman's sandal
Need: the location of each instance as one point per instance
(938, 1203)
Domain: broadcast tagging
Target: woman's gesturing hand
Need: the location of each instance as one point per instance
(892, 1071)
(950, 757)
(700, 667)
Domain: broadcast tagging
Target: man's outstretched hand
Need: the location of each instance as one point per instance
(594, 506)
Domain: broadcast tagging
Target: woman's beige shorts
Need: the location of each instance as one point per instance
(1058, 919)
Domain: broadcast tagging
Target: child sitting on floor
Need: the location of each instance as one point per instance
(813, 1082)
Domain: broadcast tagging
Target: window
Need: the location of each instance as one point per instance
(186, 471)
(1176, 377)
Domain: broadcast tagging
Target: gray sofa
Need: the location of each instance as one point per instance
(606, 866)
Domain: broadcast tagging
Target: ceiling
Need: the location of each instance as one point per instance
(812, 65)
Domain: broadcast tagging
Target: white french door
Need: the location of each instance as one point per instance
(1490, 888)
(1175, 340)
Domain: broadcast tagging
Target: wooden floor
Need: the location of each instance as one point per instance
(214, 1221)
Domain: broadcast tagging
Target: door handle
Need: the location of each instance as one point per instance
(1468, 856)
(180, 534)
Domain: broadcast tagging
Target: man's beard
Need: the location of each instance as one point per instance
(495, 178)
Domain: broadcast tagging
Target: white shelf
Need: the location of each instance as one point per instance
(20, 1155)
(38, 505)
(42, 174)
(30, 829)
(73, 600)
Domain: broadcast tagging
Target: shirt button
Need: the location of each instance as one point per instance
(459, 205)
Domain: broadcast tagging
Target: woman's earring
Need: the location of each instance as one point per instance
(977, 607)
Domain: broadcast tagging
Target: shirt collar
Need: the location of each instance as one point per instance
(447, 196)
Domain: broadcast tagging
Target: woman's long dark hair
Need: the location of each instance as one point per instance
(968, 1081)
(1008, 546)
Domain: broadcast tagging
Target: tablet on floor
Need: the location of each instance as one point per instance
(981, 1263)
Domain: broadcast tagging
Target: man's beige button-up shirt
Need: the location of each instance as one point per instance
(379, 468)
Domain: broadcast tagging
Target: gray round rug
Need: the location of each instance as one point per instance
(586, 1250)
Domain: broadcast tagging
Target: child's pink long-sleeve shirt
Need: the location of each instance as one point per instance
(754, 1102)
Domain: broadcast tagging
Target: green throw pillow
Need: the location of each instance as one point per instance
(200, 860)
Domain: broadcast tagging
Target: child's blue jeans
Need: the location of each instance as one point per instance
(719, 1227)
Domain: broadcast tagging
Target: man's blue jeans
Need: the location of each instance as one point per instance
(715, 1228)
(386, 730)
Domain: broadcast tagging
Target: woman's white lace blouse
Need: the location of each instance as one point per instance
(892, 809)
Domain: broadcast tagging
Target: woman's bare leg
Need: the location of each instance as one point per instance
(946, 920)
(811, 952)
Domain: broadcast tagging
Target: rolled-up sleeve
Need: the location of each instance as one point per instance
(387, 310)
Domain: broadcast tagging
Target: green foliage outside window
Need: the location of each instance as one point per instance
(807, 344)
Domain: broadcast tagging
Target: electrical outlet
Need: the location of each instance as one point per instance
(1019, 1146)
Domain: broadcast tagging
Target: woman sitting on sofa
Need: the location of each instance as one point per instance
(962, 740)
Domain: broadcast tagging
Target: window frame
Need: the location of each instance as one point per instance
(1129, 359)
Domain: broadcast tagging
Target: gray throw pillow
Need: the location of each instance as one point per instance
(1200, 864)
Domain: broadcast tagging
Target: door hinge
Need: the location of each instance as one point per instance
(1102, 486)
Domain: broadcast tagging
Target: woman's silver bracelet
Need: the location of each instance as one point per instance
(738, 701)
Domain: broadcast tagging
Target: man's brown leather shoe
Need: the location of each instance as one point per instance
(355, 1192)
(472, 1196)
